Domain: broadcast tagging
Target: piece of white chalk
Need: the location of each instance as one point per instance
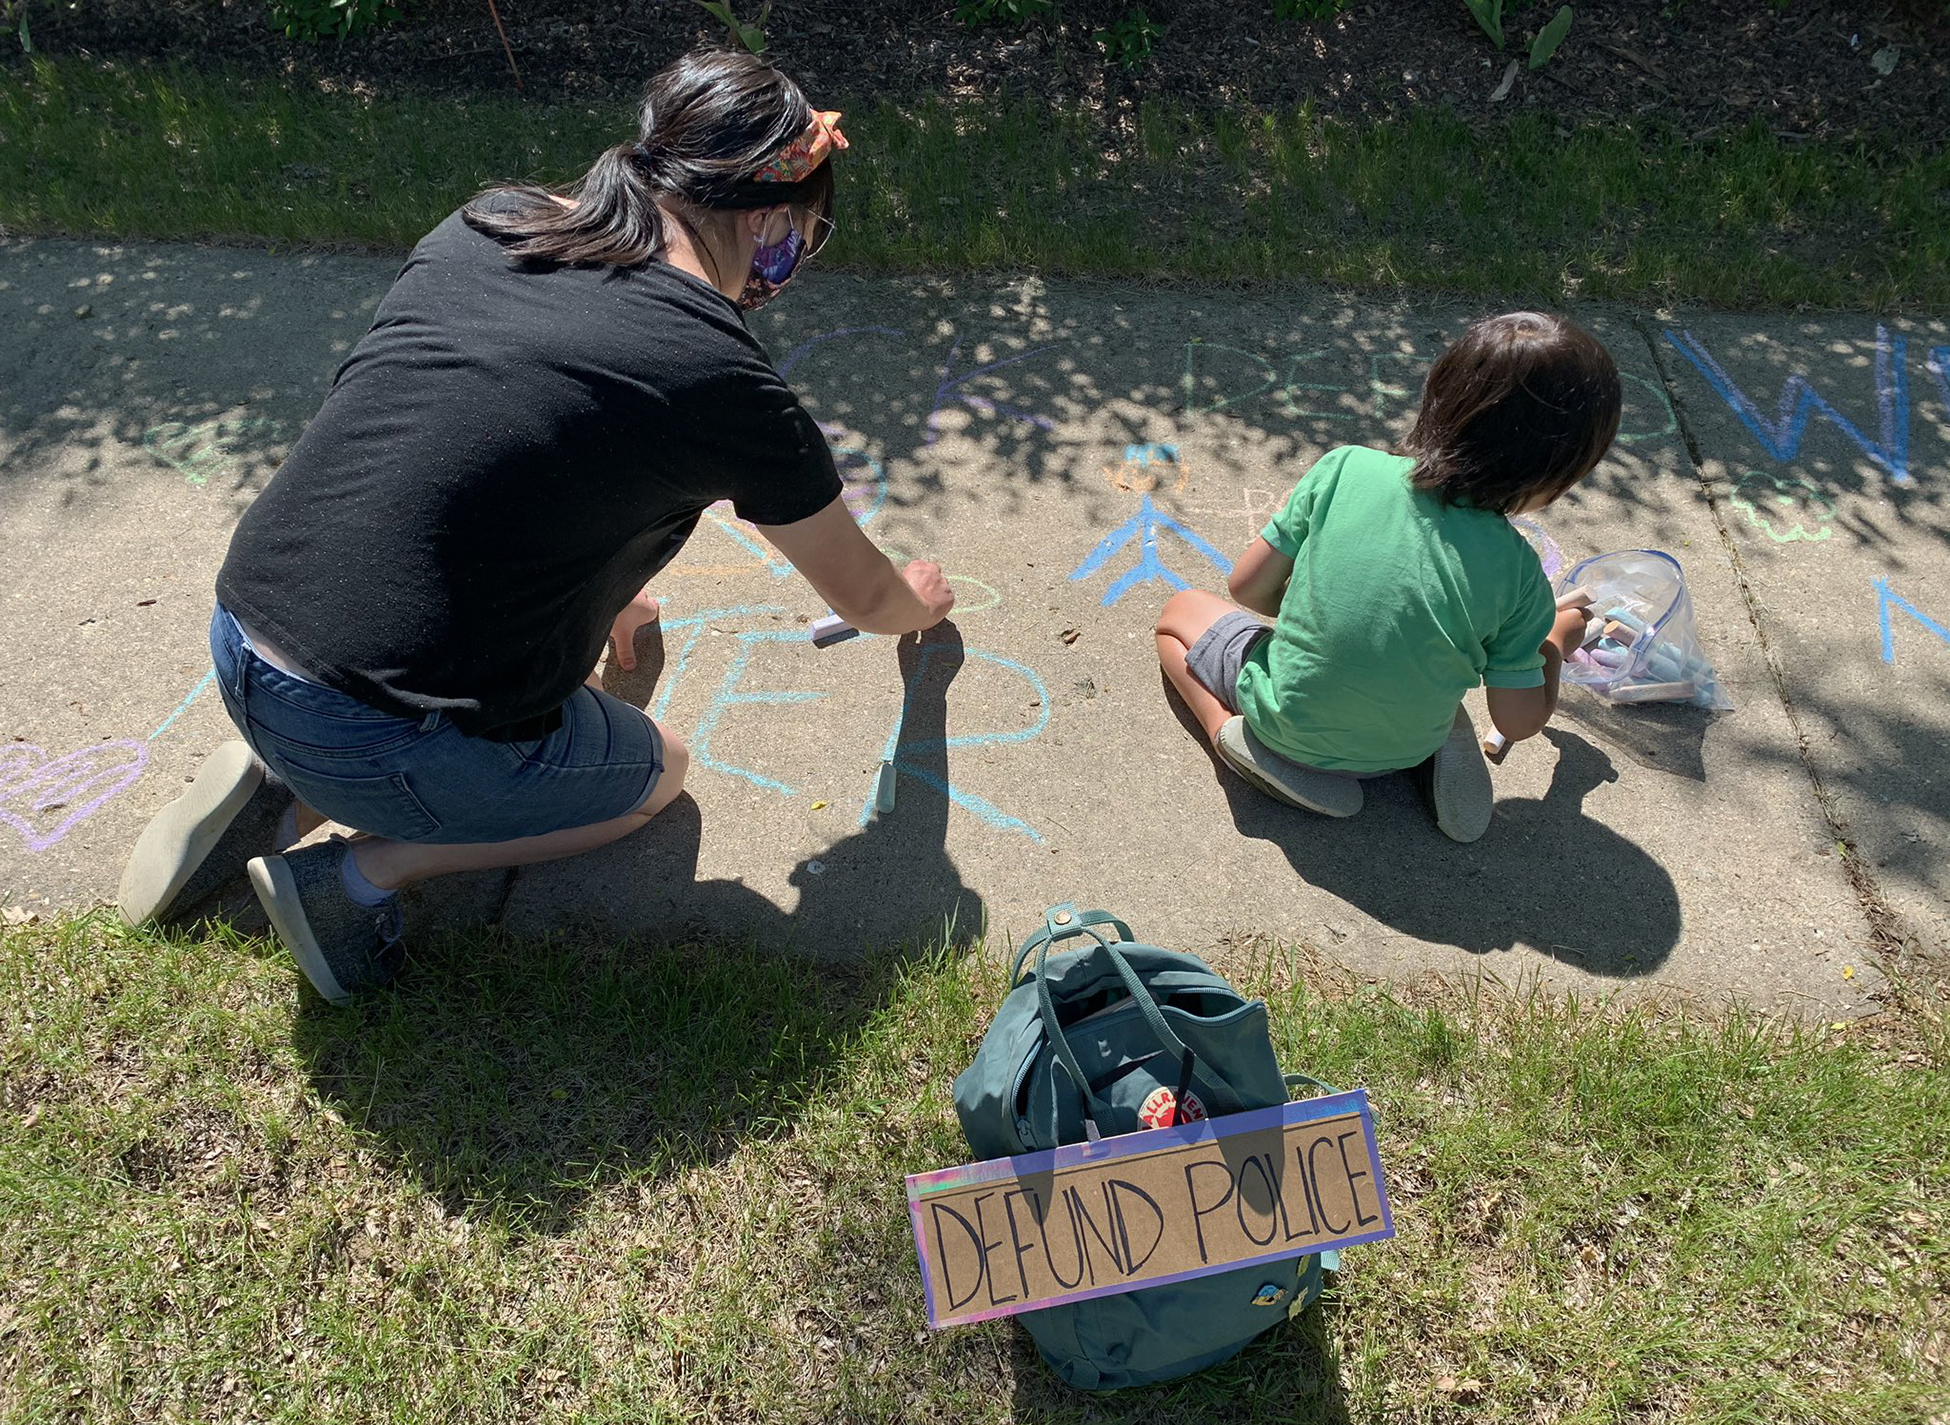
(1495, 744)
(1652, 692)
(883, 791)
(1574, 599)
(831, 629)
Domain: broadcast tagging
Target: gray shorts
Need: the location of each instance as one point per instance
(1221, 651)
(1219, 654)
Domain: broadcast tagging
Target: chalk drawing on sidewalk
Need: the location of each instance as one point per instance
(1548, 554)
(1144, 469)
(798, 353)
(208, 448)
(728, 696)
(682, 633)
(44, 798)
(950, 387)
(900, 753)
(1887, 599)
(1197, 352)
(1670, 424)
(209, 677)
(1143, 527)
(1784, 508)
(1939, 366)
(1800, 402)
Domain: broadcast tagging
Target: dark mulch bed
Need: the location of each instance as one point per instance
(1807, 69)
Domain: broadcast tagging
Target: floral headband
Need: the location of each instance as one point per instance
(805, 153)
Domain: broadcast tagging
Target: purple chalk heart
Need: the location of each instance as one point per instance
(35, 788)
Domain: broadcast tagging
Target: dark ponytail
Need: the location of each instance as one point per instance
(707, 123)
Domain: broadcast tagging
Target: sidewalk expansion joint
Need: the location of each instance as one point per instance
(1889, 934)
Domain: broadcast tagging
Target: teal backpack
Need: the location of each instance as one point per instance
(1114, 1038)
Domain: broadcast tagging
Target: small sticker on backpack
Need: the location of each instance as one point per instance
(1162, 1109)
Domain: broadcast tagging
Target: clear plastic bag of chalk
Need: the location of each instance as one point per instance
(1642, 645)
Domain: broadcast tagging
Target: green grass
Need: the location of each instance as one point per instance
(592, 1182)
(1516, 208)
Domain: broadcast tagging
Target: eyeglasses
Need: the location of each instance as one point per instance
(818, 231)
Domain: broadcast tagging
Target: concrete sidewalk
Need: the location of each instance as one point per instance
(1070, 454)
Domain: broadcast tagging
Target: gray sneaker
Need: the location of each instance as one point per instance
(1456, 783)
(199, 843)
(1308, 787)
(343, 947)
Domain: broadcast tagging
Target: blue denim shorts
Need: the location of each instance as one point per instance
(421, 779)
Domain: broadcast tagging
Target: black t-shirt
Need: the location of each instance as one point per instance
(503, 461)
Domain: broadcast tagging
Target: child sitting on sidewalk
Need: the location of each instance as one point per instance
(1397, 583)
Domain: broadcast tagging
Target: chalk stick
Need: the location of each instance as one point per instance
(1495, 746)
(1620, 633)
(831, 629)
(883, 790)
(1593, 631)
(1652, 692)
(1574, 599)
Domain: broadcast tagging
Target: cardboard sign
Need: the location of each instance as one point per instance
(1145, 1209)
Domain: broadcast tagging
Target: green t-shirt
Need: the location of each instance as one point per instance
(1398, 605)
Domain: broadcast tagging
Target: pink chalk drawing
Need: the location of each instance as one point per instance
(35, 788)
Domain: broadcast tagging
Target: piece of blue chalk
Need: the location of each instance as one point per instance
(883, 791)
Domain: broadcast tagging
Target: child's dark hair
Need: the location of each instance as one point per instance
(1517, 412)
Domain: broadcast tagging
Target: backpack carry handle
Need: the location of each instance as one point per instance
(1147, 1006)
(1294, 1081)
(1060, 922)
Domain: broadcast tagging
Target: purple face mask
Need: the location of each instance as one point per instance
(772, 267)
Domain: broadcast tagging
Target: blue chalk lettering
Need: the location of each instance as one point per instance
(184, 706)
(692, 627)
(1886, 599)
(899, 753)
(1782, 436)
(1143, 527)
(728, 697)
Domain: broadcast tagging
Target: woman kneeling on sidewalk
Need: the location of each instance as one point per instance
(555, 389)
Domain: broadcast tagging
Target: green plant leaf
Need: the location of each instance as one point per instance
(1489, 14)
(1550, 37)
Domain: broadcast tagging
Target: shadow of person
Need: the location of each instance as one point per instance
(1662, 737)
(513, 1077)
(887, 883)
(1291, 1372)
(1514, 887)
